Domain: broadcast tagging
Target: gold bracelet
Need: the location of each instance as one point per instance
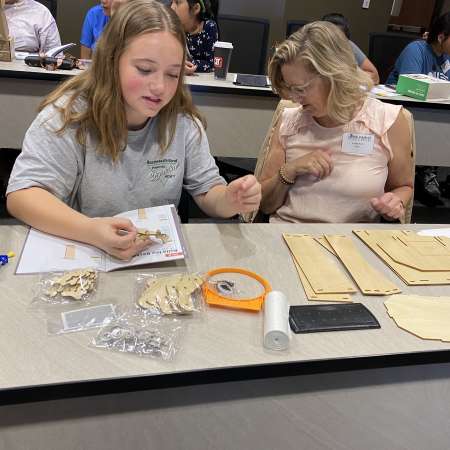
(283, 178)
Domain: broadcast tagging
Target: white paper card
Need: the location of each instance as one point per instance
(358, 143)
(87, 317)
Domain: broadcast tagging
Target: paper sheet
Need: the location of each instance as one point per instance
(43, 252)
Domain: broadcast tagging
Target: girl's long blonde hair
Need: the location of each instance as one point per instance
(99, 86)
(324, 49)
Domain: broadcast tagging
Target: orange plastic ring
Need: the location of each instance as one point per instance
(252, 304)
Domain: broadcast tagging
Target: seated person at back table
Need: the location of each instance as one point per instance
(32, 26)
(120, 136)
(430, 56)
(361, 59)
(94, 23)
(198, 20)
(340, 156)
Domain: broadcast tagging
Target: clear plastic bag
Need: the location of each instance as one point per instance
(168, 294)
(70, 287)
(151, 336)
(82, 319)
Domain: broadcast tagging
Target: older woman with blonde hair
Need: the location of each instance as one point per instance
(340, 155)
(122, 135)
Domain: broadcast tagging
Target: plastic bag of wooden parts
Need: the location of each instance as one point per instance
(150, 336)
(167, 294)
(75, 286)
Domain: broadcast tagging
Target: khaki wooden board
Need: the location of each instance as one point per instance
(369, 280)
(409, 256)
(323, 274)
(312, 296)
(425, 317)
(325, 244)
(410, 276)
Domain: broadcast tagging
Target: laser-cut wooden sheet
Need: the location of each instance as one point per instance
(425, 317)
(376, 239)
(323, 274)
(369, 280)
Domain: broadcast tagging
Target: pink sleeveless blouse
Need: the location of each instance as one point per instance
(344, 196)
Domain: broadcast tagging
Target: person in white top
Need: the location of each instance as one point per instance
(32, 25)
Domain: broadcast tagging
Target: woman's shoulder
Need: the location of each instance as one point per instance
(377, 115)
(210, 25)
(292, 119)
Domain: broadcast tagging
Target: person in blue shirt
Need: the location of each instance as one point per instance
(198, 20)
(94, 22)
(430, 56)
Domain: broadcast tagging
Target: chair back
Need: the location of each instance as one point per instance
(294, 25)
(385, 48)
(409, 205)
(249, 37)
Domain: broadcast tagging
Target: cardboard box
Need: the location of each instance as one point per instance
(423, 87)
(7, 52)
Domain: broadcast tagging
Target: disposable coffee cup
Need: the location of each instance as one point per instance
(222, 58)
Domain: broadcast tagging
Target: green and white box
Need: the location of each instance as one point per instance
(423, 87)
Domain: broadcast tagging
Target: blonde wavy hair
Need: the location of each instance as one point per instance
(100, 86)
(324, 50)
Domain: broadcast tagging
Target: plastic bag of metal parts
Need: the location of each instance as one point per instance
(70, 320)
(149, 336)
(70, 287)
(168, 294)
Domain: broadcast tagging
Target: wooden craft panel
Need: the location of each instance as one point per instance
(325, 244)
(409, 275)
(425, 317)
(311, 295)
(322, 273)
(409, 256)
(369, 280)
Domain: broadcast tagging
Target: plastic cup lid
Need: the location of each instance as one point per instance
(223, 44)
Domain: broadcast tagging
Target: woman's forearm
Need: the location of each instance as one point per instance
(42, 210)
(273, 194)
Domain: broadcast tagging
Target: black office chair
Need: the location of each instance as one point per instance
(51, 5)
(294, 25)
(385, 48)
(250, 38)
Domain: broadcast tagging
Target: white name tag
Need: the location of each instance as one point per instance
(358, 143)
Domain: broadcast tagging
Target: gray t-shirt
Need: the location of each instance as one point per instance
(359, 54)
(95, 185)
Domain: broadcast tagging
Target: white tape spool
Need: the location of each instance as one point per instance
(276, 321)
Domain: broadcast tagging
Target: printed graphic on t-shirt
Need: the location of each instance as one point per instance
(162, 170)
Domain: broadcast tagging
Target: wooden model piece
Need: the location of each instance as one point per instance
(374, 240)
(322, 273)
(143, 234)
(369, 280)
(75, 284)
(425, 317)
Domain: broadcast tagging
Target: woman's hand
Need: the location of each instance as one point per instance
(117, 237)
(189, 68)
(244, 194)
(317, 163)
(389, 206)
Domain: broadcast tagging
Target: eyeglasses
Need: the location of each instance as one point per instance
(299, 90)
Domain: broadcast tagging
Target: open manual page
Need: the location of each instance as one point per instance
(43, 252)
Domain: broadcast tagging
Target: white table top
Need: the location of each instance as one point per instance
(223, 339)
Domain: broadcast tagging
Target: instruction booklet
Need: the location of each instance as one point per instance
(43, 252)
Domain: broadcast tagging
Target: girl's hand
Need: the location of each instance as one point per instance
(189, 68)
(244, 194)
(117, 237)
(388, 206)
(317, 163)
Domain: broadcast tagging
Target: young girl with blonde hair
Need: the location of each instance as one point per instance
(122, 135)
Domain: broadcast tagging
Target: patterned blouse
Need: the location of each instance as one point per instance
(200, 46)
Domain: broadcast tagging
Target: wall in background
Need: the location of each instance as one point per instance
(71, 14)
(362, 21)
(70, 20)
